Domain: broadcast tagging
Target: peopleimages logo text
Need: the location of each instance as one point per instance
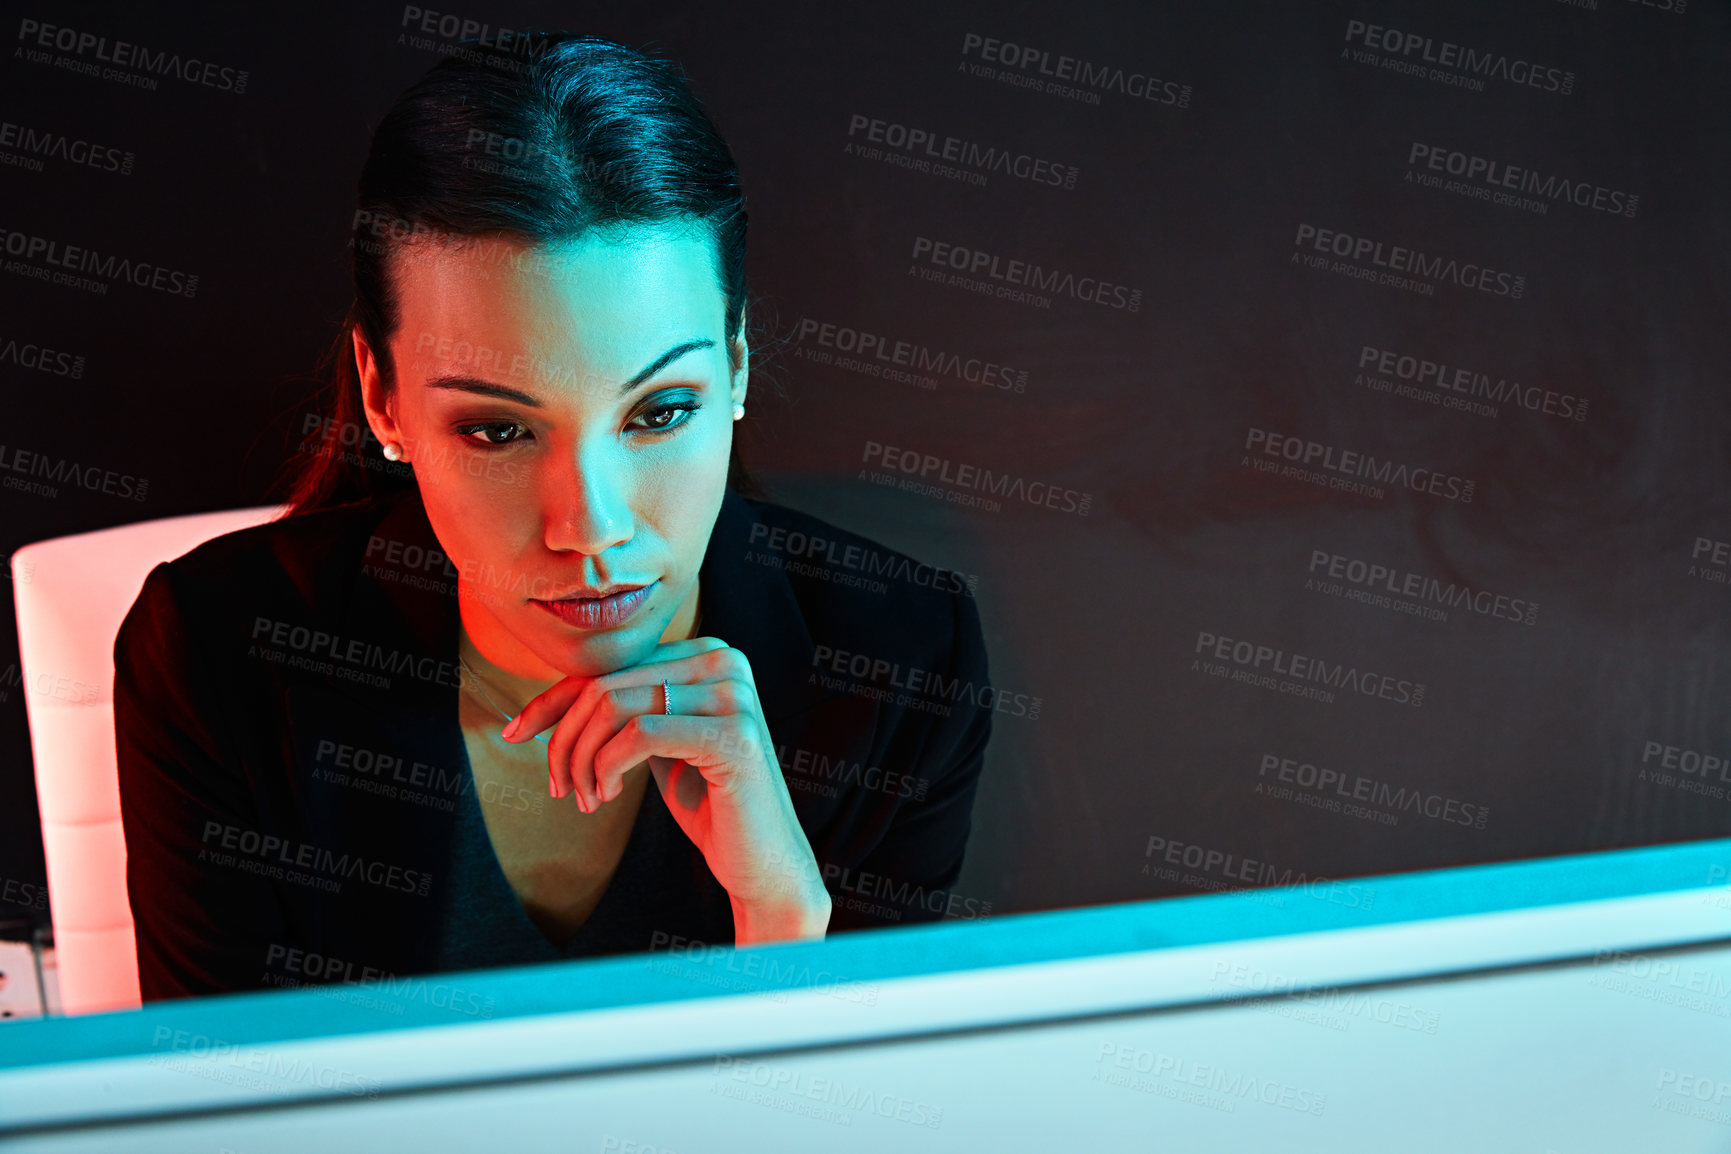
(36, 143)
(929, 467)
(355, 651)
(1438, 375)
(1083, 73)
(1482, 63)
(1237, 868)
(124, 54)
(1401, 583)
(1302, 668)
(281, 852)
(77, 258)
(473, 34)
(911, 355)
(40, 358)
(929, 683)
(1516, 178)
(877, 563)
(63, 471)
(1357, 787)
(968, 153)
(977, 262)
(1361, 466)
(1413, 262)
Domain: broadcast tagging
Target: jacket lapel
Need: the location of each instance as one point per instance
(405, 601)
(752, 607)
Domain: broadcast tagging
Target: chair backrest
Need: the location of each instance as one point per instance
(71, 595)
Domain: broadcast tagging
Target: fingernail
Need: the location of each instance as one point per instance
(510, 729)
(552, 786)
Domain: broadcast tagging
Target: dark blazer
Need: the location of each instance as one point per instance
(251, 667)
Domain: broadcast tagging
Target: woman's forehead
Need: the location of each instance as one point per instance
(664, 264)
(600, 305)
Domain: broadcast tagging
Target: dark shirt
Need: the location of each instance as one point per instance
(297, 799)
(485, 925)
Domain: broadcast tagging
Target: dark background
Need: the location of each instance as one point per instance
(1540, 726)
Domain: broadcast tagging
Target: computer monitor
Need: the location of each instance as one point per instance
(1562, 1005)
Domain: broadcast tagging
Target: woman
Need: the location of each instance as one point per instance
(413, 725)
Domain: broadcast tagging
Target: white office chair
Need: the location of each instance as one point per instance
(71, 594)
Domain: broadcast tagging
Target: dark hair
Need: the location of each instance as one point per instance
(583, 135)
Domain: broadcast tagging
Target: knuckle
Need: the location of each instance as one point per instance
(725, 661)
(564, 735)
(733, 694)
(736, 734)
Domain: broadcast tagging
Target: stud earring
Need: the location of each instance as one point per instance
(393, 451)
(738, 410)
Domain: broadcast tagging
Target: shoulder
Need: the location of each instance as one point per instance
(863, 599)
(306, 551)
(306, 563)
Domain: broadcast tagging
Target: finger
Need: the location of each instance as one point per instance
(547, 707)
(617, 706)
(701, 741)
(689, 647)
(544, 709)
(703, 699)
(570, 769)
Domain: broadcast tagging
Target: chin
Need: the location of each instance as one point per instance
(592, 654)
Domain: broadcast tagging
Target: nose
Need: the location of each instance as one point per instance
(588, 506)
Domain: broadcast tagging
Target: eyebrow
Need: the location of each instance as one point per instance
(505, 392)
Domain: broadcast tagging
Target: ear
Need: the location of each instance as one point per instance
(375, 399)
(741, 354)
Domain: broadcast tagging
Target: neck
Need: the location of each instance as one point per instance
(509, 690)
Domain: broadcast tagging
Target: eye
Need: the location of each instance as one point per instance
(487, 428)
(666, 418)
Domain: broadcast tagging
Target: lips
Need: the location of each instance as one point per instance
(588, 593)
(606, 608)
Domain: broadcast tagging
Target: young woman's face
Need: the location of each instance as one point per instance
(568, 413)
